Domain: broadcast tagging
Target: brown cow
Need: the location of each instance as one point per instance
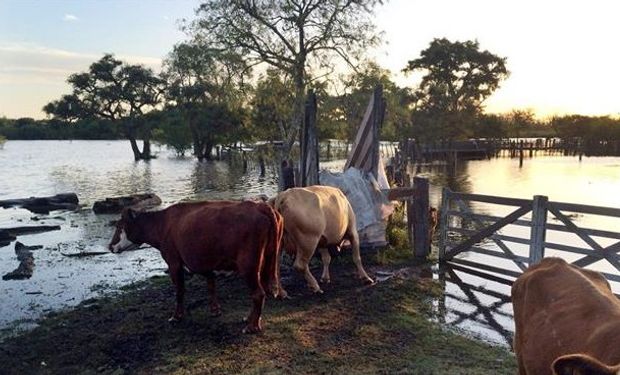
(567, 321)
(206, 237)
(317, 216)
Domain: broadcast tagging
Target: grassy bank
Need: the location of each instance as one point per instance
(382, 328)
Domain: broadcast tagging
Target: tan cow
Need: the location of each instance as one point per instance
(317, 217)
(567, 321)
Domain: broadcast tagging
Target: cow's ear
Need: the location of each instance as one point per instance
(581, 364)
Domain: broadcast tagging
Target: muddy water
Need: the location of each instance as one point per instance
(94, 170)
(98, 169)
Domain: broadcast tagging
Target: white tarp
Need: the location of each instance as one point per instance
(370, 206)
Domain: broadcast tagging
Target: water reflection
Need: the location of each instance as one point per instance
(476, 302)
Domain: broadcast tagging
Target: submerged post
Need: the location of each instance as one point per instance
(421, 225)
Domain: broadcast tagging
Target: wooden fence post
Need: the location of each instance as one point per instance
(421, 226)
(443, 223)
(539, 228)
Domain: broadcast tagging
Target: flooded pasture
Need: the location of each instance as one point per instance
(94, 170)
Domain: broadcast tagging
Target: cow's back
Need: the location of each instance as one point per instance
(210, 235)
(560, 309)
(336, 210)
(315, 212)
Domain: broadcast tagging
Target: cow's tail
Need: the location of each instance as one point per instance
(270, 274)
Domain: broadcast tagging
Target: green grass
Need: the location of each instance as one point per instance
(384, 328)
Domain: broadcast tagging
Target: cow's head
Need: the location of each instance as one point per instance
(127, 232)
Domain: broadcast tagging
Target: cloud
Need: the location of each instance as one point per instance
(32, 75)
(70, 18)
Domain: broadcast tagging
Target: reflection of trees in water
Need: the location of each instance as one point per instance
(90, 186)
(223, 180)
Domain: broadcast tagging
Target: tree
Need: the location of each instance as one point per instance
(458, 78)
(203, 82)
(171, 131)
(290, 35)
(359, 87)
(116, 91)
(272, 106)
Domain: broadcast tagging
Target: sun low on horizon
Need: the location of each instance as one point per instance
(561, 55)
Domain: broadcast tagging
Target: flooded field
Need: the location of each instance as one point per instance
(98, 169)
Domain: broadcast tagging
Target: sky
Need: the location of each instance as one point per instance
(563, 55)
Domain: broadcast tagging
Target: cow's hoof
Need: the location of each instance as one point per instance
(368, 281)
(174, 319)
(325, 280)
(216, 312)
(318, 291)
(282, 295)
(251, 329)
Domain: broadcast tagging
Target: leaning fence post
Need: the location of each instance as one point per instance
(539, 229)
(421, 227)
(443, 223)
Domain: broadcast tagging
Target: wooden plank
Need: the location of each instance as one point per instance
(585, 209)
(489, 231)
(486, 267)
(443, 222)
(609, 253)
(538, 231)
(491, 199)
(527, 223)
(421, 206)
(499, 243)
(611, 277)
(597, 249)
(399, 193)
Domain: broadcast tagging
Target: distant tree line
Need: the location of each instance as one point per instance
(208, 92)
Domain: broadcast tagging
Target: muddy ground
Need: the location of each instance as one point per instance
(384, 328)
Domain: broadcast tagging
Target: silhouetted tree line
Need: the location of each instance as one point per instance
(207, 94)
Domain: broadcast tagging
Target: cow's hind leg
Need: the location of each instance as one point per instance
(214, 303)
(178, 279)
(302, 261)
(258, 301)
(326, 260)
(357, 258)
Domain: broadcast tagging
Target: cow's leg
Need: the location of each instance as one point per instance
(326, 260)
(177, 275)
(258, 301)
(302, 261)
(270, 275)
(214, 303)
(357, 258)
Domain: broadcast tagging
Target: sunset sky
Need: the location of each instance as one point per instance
(563, 55)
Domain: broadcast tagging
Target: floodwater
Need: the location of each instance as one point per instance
(98, 169)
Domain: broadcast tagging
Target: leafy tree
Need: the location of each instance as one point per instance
(115, 91)
(272, 106)
(291, 36)
(203, 82)
(458, 77)
(360, 85)
(520, 121)
(171, 130)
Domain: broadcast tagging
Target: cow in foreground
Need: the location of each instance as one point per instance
(207, 237)
(567, 321)
(317, 217)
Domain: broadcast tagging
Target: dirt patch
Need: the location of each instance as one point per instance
(382, 328)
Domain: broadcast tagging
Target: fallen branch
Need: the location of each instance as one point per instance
(85, 254)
